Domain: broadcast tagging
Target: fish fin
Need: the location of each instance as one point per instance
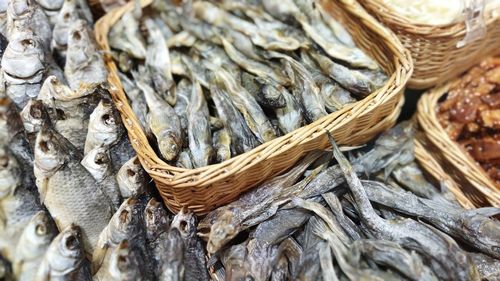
(486, 211)
(98, 258)
(43, 273)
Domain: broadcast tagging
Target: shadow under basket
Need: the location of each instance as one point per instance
(204, 189)
(436, 57)
(460, 167)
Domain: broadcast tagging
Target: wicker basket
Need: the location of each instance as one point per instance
(434, 49)
(469, 176)
(431, 165)
(206, 188)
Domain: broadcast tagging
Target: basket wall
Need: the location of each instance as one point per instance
(468, 175)
(433, 49)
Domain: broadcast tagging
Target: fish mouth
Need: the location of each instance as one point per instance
(32, 77)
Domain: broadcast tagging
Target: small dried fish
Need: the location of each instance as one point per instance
(126, 262)
(247, 105)
(163, 122)
(200, 136)
(242, 139)
(221, 141)
(194, 255)
(125, 36)
(158, 63)
(26, 15)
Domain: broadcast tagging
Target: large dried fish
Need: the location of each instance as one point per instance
(67, 189)
(105, 126)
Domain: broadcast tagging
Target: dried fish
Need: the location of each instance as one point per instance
(125, 36)
(221, 141)
(200, 137)
(26, 15)
(33, 244)
(84, 64)
(105, 127)
(58, 171)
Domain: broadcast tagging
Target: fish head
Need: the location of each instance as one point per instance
(222, 231)
(70, 246)
(124, 264)
(67, 15)
(19, 9)
(169, 145)
(34, 115)
(185, 221)
(97, 161)
(128, 219)
(155, 217)
(105, 119)
(24, 59)
(53, 89)
(10, 173)
(51, 150)
(51, 5)
(40, 230)
(487, 230)
(131, 178)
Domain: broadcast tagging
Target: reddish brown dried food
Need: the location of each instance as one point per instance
(470, 115)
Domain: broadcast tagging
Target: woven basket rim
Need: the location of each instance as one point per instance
(181, 177)
(392, 19)
(454, 153)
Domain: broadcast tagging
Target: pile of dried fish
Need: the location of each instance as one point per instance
(74, 202)
(209, 80)
(471, 115)
(373, 218)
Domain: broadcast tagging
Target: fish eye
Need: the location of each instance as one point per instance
(4, 161)
(27, 42)
(108, 119)
(67, 16)
(136, 161)
(40, 229)
(130, 173)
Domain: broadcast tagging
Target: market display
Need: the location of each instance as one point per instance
(209, 80)
(231, 75)
(471, 115)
